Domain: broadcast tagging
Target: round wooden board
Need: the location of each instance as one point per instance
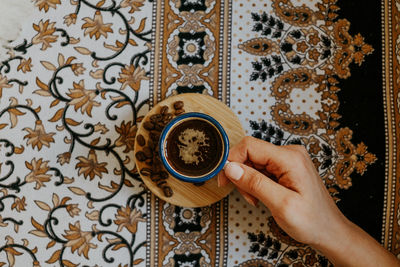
(187, 194)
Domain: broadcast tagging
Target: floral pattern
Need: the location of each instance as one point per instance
(78, 84)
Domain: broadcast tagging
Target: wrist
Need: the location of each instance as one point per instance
(350, 246)
(336, 238)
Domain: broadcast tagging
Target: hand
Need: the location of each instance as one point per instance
(297, 200)
(285, 180)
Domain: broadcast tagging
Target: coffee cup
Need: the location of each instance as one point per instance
(193, 147)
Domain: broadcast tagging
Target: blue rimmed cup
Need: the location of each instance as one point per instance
(193, 147)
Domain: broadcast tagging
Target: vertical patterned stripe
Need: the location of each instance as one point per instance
(390, 186)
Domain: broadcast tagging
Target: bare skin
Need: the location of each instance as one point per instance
(285, 180)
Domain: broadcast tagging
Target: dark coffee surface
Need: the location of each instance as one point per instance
(194, 147)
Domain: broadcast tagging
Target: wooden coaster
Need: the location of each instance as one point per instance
(187, 194)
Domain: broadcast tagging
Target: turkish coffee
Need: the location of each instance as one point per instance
(194, 147)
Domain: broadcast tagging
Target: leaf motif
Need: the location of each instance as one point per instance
(128, 183)
(54, 103)
(72, 122)
(42, 92)
(142, 25)
(98, 74)
(101, 3)
(61, 60)
(3, 125)
(102, 128)
(67, 263)
(93, 216)
(90, 204)
(37, 225)
(99, 237)
(25, 242)
(76, 190)
(82, 50)
(137, 261)
(54, 257)
(21, 89)
(41, 84)
(103, 94)
(12, 251)
(2, 264)
(57, 116)
(19, 150)
(95, 141)
(119, 44)
(112, 47)
(42, 205)
(16, 228)
(48, 65)
(65, 200)
(121, 104)
(69, 60)
(51, 244)
(73, 40)
(38, 233)
(68, 180)
(16, 112)
(106, 188)
(132, 42)
(116, 247)
(56, 200)
(13, 119)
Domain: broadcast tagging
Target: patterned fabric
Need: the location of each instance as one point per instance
(85, 72)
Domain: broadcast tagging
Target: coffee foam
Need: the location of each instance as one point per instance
(190, 142)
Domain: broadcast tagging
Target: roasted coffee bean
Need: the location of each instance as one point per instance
(156, 180)
(160, 183)
(148, 125)
(140, 140)
(159, 127)
(164, 110)
(145, 171)
(155, 136)
(155, 176)
(150, 144)
(140, 156)
(155, 118)
(179, 111)
(156, 160)
(148, 152)
(156, 168)
(167, 191)
(149, 161)
(167, 118)
(178, 105)
(164, 175)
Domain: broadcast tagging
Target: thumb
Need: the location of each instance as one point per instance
(256, 184)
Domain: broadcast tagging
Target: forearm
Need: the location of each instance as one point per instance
(351, 246)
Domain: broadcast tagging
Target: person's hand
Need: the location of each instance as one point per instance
(285, 180)
(298, 201)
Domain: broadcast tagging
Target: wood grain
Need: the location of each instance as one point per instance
(187, 194)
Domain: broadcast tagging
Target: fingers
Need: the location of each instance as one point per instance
(277, 160)
(256, 184)
(223, 181)
(249, 198)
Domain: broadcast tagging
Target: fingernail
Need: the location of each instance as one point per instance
(233, 171)
(226, 163)
(249, 200)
